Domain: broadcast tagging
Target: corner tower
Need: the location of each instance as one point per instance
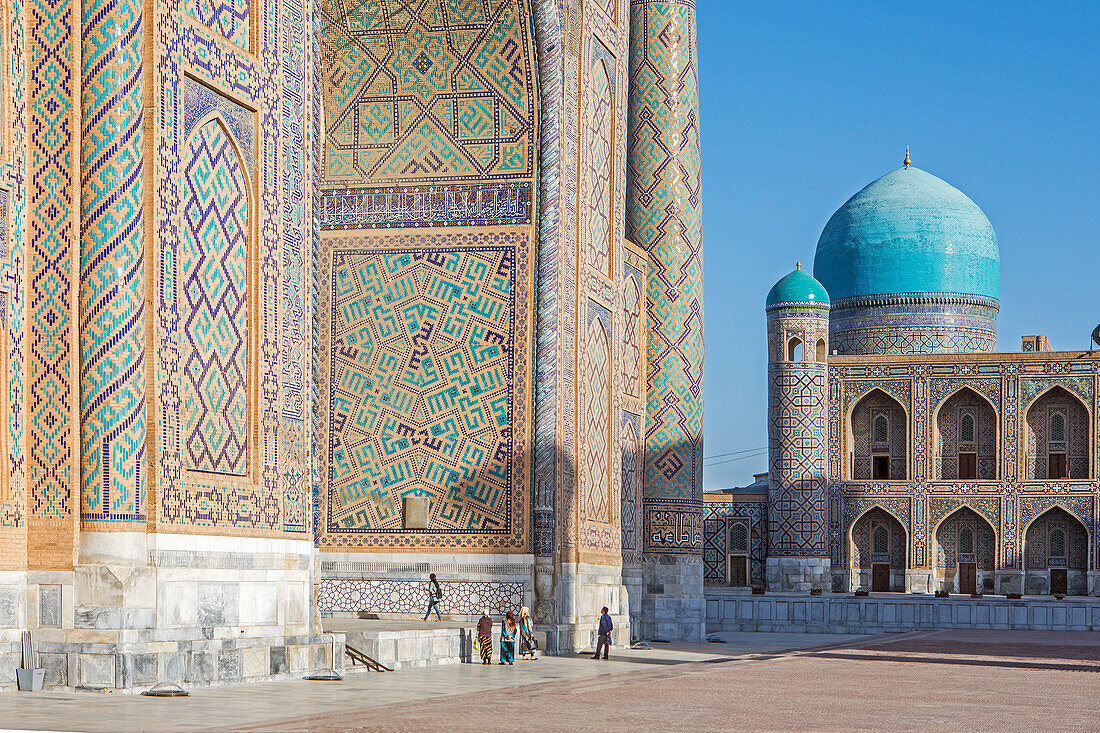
(912, 266)
(798, 344)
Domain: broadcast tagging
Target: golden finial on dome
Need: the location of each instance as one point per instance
(907, 162)
(798, 265)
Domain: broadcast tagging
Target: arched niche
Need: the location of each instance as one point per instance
(878, 439)
(1057, 436)
(965, 441)
(965, 552)
(1056, 552)
(877, 551)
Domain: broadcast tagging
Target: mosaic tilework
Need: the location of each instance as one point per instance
(273, 497)
(863, 442)
(463, 597)
(425, 354)
(966, 406)
(633, 338)
(663, 218)
(864, 554)
(981, 542)
(230, 19)
(716, 516)
(112, 279)
(796, 429)
(52, 241)
(633, 454)
(1009, 502)
(454, 205)
(214, 266)
(601, 206)
(596, 503)
(1071, 552)
(440, 93)
(911, 323)
(1039, 441)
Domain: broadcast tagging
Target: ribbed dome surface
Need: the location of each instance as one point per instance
(797, 287)
(908, 232)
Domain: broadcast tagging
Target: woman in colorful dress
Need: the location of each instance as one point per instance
(508, 639)
(526, 634)
(485, 637)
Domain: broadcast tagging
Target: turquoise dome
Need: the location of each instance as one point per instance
(909, 232)
(797, 287)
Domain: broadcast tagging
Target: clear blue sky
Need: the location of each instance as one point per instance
(803, 104)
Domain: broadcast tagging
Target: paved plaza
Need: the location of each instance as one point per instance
(947, 680)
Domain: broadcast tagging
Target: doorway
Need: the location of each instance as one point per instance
(880, 468)
(1059, 582)
(739, 570)
(880, 577)
(968, 577)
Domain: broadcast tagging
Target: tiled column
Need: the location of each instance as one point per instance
(112, 269)
(663, 218)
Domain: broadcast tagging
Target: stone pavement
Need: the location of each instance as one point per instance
(952, 680)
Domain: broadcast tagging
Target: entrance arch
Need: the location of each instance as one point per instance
(1056, 551)
(877, 548)
(966, 545)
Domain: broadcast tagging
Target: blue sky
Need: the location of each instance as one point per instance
(802, 104)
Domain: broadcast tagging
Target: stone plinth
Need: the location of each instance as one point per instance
(672, 602)
(798, 573)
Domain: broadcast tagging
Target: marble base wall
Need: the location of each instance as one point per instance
(798, 573)
(583, 589)
(672, 602)
(161, 607)
(737, 611)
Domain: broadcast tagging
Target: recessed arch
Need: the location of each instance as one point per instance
(1057, 436)
(965, 552)
(1056, 553)
(822, 351)
(869, 566)
(872, 455)
(957, 456)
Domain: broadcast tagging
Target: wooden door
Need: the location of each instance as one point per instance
(968, 577)
(968, 466)
(1058, 580)
(739, 570)
(880, 577)
(1056, 466)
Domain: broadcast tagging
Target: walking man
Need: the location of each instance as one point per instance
(603, 634)
(435, 596)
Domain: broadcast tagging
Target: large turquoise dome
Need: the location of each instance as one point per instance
(908, 232)
(797, 287)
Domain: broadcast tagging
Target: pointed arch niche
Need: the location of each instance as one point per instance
(1056, 552)
(215, 300)
(598, 502)
(965, 438)
(878, 439)
(965, 552)
(878, 546)
(1057, 434)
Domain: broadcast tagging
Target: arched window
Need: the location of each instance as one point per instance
(739, 537)
(773, 354)
(1058, 542)
(880, 544)
(1057, 427)
(881, 431)
(966, 539)
(821, 355)
(794, 349)
(966, 429)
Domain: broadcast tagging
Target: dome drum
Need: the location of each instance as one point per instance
(914, 323)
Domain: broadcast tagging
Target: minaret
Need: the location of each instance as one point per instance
(663, 218)
(798, 344)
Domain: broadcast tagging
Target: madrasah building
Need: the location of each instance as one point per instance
(905, 454)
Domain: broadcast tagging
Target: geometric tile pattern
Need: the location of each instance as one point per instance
(214, 266)
(228, 18)
(977, 545)
(1068, 551)
(462, 597)
(602, 121)
(633, 339)
(864, 554)
(51, 234)
(873, 405)
(796, 417)
(596, 423)
(966, 405)
(421, 391)
(112, 271)
(913, 323)
(1017, 387)
(1075, 442)
(716, 518)
(663, 218)
(631, 488)
(428, 91)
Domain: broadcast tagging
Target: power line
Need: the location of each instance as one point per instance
(738, 458)
(734, 453)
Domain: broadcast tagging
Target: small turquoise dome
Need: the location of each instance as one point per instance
(797, 287)
(909, 232)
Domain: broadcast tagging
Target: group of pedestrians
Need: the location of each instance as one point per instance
(511, 631)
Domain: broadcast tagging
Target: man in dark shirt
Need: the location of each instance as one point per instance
(604, 634)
